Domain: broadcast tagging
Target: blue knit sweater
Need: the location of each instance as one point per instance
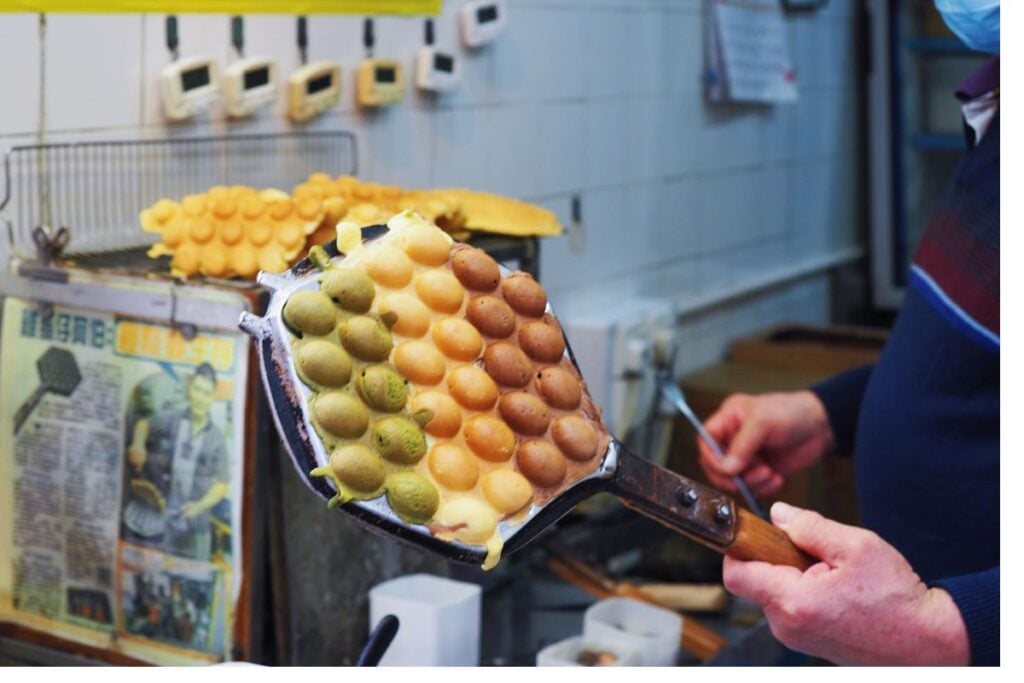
(923, 423)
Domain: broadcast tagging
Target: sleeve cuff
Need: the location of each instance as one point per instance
(841, 395)
(977, 598)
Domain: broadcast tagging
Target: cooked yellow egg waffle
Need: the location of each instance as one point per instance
(439, 384)
(453, 210)
(232, 231)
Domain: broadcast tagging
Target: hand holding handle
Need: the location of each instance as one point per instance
(757, 539)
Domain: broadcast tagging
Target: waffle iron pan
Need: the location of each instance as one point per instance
(697, 511)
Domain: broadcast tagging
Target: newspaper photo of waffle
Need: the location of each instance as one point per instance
(120, 482)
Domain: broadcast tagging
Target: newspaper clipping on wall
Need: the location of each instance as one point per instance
(121, 471)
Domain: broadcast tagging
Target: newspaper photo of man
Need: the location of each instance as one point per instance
(183, 455)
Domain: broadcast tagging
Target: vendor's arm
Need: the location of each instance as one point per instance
(213, 495)
(976, 597)
(214, 471)
(862, 604)
(137, 449)
(841, 397)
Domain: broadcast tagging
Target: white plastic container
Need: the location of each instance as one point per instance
(654, 632)
(438, 620)
(566, 652)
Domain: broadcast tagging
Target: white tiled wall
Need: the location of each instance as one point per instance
(600, 98)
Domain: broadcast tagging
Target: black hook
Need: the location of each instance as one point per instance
(428, 32)
(368, 37)
(302, 38)
(49, 247)
(171, 34)
(238, 35)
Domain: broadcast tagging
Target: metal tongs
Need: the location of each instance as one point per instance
(699, 512)
(668, 388)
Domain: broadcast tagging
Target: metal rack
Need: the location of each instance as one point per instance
(97, 189)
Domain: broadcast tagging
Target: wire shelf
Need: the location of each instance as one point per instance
(97, 189)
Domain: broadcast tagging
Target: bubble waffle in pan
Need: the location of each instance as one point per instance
(430, 393)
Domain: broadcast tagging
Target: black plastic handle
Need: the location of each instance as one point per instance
(379, 641)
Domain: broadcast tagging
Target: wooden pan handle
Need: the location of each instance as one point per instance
(756, 539)
(701, 513)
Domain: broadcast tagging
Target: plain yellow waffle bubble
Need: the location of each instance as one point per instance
(201, 229)
(348, 236)
(164, 210)
(261, 232)
(194, 204)
(186, 259)
(271, 260)
(214, 262)
(252, 207)
(173, 234)
(245, 260)
(232, 232)
(225, 208)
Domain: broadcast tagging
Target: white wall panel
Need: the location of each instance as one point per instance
(597, 97)
(19, 52)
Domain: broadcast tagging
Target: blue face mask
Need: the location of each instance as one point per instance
(976, 22)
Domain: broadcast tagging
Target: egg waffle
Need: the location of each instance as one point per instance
(455, 210)
(459, 420)
(232, 231)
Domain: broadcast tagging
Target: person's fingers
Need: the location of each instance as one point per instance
(757, 474)
(707, 459)
(744, 446)
(724, 422)
(723, 483)
(711, 462)
(761, 582)
(716, 479)
(770, 487)
(724, 426)
(809, 531)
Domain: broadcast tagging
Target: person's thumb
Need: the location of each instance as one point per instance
(743, 447)
(812, 533)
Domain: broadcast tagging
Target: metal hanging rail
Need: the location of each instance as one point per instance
(97, 189)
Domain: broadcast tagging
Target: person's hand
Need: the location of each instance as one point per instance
(861, 605)
(766, 438)
(136, 456)
(191, 509)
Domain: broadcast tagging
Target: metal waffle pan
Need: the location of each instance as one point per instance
(697, 511)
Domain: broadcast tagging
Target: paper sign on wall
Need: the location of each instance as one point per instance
(747, 52)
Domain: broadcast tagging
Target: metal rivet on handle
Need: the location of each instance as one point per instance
(723, 513)
(687, 496)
